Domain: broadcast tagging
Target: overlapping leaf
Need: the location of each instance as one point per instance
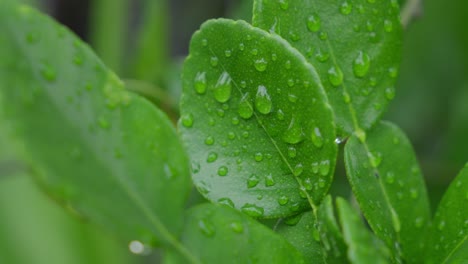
(106, 153)
(388, 185)
(219, 234)
(256, 121)
(355, 46)
(449, 234)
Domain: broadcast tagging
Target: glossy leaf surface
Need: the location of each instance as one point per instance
(301, 232)
(105, 153)
(389, 187)
(256, 121)
(363, 246)
(220, 234)
(449, 234)
(355, 46)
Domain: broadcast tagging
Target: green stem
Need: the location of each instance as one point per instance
(411, 9)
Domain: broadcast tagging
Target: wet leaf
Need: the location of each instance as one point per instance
(354, 45)
(389, 187)
(256, 121)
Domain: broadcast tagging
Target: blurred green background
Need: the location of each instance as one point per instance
(146, 40)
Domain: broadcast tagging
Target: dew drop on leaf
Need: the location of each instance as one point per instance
(212, 157)
(209, 140)
(335, 76)
(269, 181)
(390, 93)
(222, 171)
(317, 138)
(388, 26)
(263, 100)
(298, 169)
(292, 152)
(48, 73)
(258, 156)
(206, 228)
(245, 109)
(261, 65)
(226, 201)
(252, 210)
(252, 181)
(324, 167)
(237, 227)
(284, 4)
(200, 83)
(361, 64)
(283, 200)
(223, 88)
(346, 8)
(214, 61)
(293, 133)
(187, 120)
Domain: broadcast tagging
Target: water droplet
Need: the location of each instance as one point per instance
(103, 123)
(322, 56)
(245, 109)
(187, 120)
(214, 61)
(228, 53)
(237, 227)
(32, 37)
(298, 169)
(307, 184)
(262, 100)
(209, 140)
(375, 159)
(293, 133)
(245, 134)
(419, 222)
(388, 26)
(222, 171)
(292, 98)
(390, 177)
(206, 227)
(317, 138)
(292, 152)
(269, 181)
(223, 88)
(241, 46)
(287, 65)
(315, 167)
(212, 157)
(294, 36)
(283, 200)
(290, 82)
(284, 4)
(390, 93)
(226, 201)
(252, 181)
(261, 65)
(346, 8)
(324, 167)
(254, 51)
(441, 225)
(78, 60)
(361, 64)
(136, 247)
(280, 114)
(204, 42)
(252, 210)
(335, 76)
(414, 193)
(48, 73)
(258, 156)
(393, 72)
(323, 35)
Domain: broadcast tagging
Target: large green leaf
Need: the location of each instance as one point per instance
(363, 246)
(256, 121)
(106, 153)
(449, 234)
(219, 234)
(388, 185)
(355, 46)
(301, 231)
(330, 233)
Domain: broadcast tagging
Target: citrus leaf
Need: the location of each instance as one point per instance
(300, 230)
(355, 46)
(330, 233)
(389, 187)
(363, 246)
(220, 234)
(255, 121)
(449, 232)
(106, 153)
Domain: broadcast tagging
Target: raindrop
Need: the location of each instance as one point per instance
(292, 98)
(212, 157)
(262, 100)
(390, 93)
(388, 26)
(317, 138)
(245, 109)
(254, 52)
(324, 167)
(284, 4)
(390, 177)
(228, 53)
(298, 169)
(287, 65)
(308, 184)
(241, 46)
(361, 64)
(237, 227)
(48, 73)
(103, 123)
(231, 135)
(441, 225)
(274, 57)
(252, 181)
(346, 8)
(209, 140)
(294, 36)
(269, 181)
(187, 120)
(261, 64)
(393, 72)
(280, 114)
(222, 171)
(223, 88)
(419, 222)
(252, 210)
(414, 193)
(214, 61)
(258, 156)
(290, 82)
(293, 133)
(292, 152)
(375, 159)
(226, 201)
(323, 35)
(206, 227)
(235, 121)
(335, 76)
(322, 56)
(283, 200)
(315, 167)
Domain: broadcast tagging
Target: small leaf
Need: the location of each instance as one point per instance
(354, 45)
(363, 246)
(330, 233)
(389, 187)
(301, 231)
(261, 133)
(219, 234)
(107, 154)
(449, 232)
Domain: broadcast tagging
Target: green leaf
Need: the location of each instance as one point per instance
(449, 232)
(300, 230)
(219, 234)
(255, 121)
(389, 187)
(106, 153)
(355, 46)
(330, 233)
(363, 246)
